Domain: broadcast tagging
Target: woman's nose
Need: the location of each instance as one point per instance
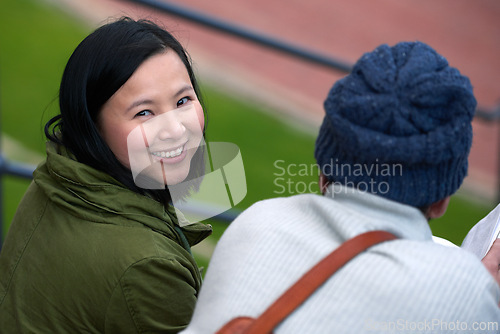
(170, 126)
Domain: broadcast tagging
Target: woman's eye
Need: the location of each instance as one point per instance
(183, 101)
(144, 113)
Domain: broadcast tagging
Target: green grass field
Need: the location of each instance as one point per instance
(36, 41)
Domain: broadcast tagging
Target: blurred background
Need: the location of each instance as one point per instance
(265, 101)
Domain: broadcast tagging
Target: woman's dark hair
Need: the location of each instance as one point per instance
(98, 67)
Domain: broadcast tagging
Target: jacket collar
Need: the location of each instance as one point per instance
(95, 196)
(379, 212)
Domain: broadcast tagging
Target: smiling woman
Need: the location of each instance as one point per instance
(159, 102)
(92, 248)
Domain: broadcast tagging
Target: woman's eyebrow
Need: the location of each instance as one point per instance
(183, 90)
(138, 103)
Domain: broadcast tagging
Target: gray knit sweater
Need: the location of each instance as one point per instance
(407, 285)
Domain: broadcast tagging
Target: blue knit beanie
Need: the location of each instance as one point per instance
(399, 125)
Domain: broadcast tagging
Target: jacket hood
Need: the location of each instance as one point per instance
(95, 196)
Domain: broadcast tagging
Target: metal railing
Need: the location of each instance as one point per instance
(271, 42)
(25, 171)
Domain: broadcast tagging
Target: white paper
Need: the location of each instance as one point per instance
(483, 234)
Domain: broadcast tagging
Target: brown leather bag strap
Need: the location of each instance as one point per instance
(313, 279)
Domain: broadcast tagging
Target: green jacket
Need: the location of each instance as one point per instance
(86, 255)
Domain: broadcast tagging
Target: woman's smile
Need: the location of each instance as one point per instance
(170, 156)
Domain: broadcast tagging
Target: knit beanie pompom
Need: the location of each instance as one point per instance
(403, 107)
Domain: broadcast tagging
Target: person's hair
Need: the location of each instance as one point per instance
(425, 209)
(98, 67)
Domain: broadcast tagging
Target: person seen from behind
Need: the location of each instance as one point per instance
(392, 148)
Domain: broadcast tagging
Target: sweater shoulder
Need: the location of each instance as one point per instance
(283, 207)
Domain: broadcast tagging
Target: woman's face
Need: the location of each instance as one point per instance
(154, 122)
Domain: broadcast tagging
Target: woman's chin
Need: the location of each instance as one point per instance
(155, 177)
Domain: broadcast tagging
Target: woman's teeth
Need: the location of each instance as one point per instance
(168, 154)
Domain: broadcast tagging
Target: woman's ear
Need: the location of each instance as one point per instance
(323, 183)
(438, 209)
